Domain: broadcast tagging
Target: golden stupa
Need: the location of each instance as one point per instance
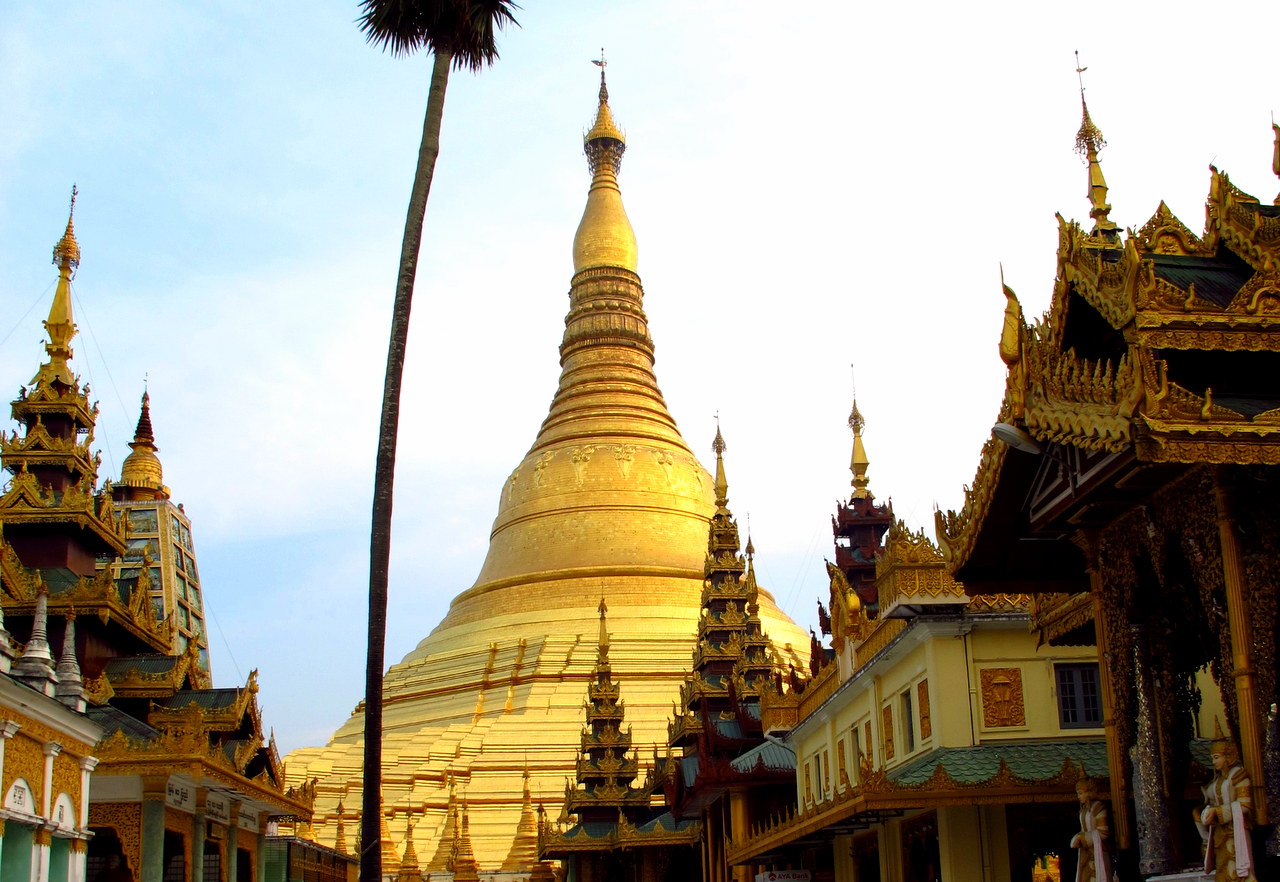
(609, 501)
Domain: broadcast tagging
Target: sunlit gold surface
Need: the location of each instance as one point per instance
(604, 236)
(608, 501)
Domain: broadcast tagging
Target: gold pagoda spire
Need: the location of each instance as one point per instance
(409, 871)
(340, 837)
(722, 483)
(1089, 143)
(141, 468)
(1275, 155)
(446, 847)
(523, 856)
(60, 325)
(605, 237)
(602, 641)
(858, 463)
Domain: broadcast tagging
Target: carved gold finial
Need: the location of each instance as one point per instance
(60, 325)
(722, 483)
(1275, 153)
(859, 462)
(602, 640)
(1089, 143)
(142, 468)
(604, 237)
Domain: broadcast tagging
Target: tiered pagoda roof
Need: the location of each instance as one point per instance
(1159, 352)
(160, 715)
(858, 527)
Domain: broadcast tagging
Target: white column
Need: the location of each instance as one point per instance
(51, 749)
(87, 765)
(40, 844)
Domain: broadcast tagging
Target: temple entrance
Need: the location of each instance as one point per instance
(920, 858)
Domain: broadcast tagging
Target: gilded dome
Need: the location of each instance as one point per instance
(141, 468)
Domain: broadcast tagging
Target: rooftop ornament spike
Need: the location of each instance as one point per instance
(1275, 154)
(722, 483)
(605, 237)
(1089, 143)
(60, 325)
(858, 462)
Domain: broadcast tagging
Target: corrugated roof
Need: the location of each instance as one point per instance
(775, 757)
(1216, 279)
(212, 699)
(665, 821)
(689, 767)
(114, 720)
(1031, 760)
(147, 664)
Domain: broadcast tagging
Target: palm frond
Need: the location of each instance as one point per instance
(466, 29)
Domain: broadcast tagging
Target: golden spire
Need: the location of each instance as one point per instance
(523, 856)
(602, 642)
(604, 236)
(858, 463)
(1275, 154)
(340, 837)
(142, 468)
(1089, 143)
(722, 484)
(408, 871)
(59, 325)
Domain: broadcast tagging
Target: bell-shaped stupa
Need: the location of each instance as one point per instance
(609, 500)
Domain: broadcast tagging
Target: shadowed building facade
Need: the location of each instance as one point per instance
(608, 501)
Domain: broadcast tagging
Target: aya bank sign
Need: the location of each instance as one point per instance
(784, 876)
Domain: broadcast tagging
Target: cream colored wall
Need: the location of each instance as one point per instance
(1015, 649)
(953, 666)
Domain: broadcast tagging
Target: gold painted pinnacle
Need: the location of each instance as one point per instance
(1089, 143)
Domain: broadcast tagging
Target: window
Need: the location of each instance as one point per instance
(908, 724)
(143, 520)
(1079, 696)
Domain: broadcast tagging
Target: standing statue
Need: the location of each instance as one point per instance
(1095, 828)
(1226, 817)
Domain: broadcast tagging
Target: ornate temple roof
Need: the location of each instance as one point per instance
(1160, 350)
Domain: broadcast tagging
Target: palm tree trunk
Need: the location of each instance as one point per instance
(384, 477)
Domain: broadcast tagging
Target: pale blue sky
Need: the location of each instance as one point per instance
(832, 188)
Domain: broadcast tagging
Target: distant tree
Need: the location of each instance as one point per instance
(461, 34)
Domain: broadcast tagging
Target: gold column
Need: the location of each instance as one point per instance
(738, 831)
(1087, 541)
(1241, 639)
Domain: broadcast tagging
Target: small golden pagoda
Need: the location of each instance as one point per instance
(609, 500)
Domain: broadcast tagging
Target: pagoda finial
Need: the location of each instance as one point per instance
(35, 666)
(858, 463)
(70, 688)
(142, 468)
(1089, 143)
(605, 237)
(1275, 153)
(602, 642)
(722, 484)
(60, 324)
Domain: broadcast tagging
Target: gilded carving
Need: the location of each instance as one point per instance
(540, 467)
(66, 776)
(125, 818)
(624, 455)
(1002, 702)
(579, 456)
(922, 702)
(24, 758)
